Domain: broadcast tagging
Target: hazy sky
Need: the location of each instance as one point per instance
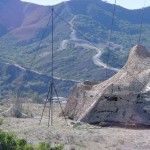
(130, 4)
(45, 2)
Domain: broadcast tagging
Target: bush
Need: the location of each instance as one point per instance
(1, 121)
(9, 141)
(47, 146)
(43, 146)
(36, 99)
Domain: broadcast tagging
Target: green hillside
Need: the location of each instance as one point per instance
(79, 26)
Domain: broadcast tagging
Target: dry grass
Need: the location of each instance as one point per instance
(82, 137)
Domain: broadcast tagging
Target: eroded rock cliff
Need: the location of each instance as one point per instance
(124, 98)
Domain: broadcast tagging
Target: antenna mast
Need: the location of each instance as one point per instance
(52, 90)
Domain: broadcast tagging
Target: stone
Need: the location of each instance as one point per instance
(122, 99)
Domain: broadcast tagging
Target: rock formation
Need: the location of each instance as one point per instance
(122, 99)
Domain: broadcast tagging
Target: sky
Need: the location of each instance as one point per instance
(130, 4)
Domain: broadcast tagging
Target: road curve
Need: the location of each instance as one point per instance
(85, 44)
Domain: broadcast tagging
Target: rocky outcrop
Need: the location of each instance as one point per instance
(123, 99)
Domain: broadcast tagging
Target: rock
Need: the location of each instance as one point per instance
(122, 99)
(78, 123)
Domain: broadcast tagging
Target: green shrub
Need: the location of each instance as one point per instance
(60, 147)
(1, 121)
(36, 99)
(43, 146)
(47, 146)
(8, 141)
(28, 147)
(1, 103)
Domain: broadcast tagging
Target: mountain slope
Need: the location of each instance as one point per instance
(13, 77)
(81, 33)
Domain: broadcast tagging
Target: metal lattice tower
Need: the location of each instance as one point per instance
(52, 89)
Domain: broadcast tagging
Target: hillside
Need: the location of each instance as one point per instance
(14, 76)
(23, 24)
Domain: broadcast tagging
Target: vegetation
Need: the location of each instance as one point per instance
(9, 141)
(47, 146)
(114, 57)
(92, 20)
(32, 84)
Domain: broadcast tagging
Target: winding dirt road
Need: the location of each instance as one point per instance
(85, 44)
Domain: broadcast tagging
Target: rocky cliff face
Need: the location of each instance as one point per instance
(123, 99)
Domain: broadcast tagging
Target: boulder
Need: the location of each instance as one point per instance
(123, 99)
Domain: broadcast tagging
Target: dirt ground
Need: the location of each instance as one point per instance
(75, 137)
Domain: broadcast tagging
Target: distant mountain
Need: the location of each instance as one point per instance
(20, 19)
(79, 26)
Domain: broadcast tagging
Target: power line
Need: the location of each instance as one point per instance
(24, 80)
(79, 32)
(20, 86)
(141, 25)
(52, 90)
(41, 40)
(110, 35)
(112, 23)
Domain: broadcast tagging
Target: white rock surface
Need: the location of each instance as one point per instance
(122, 99)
